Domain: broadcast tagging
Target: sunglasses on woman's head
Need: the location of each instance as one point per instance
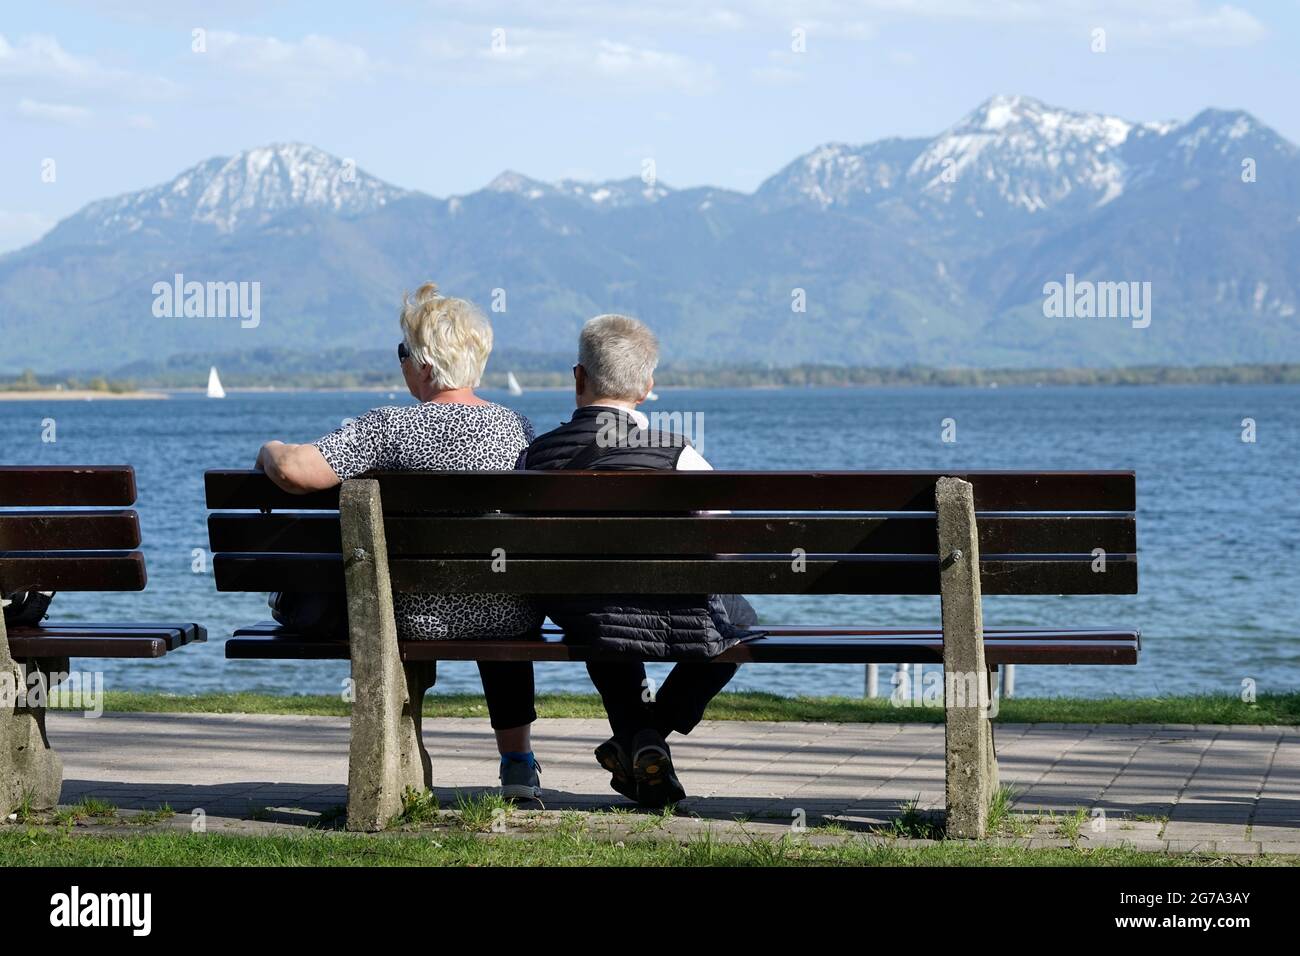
(403, 353)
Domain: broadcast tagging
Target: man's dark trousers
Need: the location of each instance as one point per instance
(633, 705)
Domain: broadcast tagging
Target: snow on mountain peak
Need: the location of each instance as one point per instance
(1003, 110)
(1024, 113)
(513, 182)
(248, 189)
(615, 193)
(1028, 154)
(611, 194)
(1013, 152)
(263, 181)
(1226, 132)
(839, 174)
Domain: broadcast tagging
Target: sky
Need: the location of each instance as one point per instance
(442, 97)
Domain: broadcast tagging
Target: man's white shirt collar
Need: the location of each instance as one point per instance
(638, 416)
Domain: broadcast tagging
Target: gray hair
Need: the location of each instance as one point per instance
(619, 355)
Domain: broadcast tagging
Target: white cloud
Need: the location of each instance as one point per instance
(41, 59)
(55, 86)
(679, 17)
(1226, 26)
(59, 113)
(1194, 21)
(1154, 22)
(310, 62)
(655, 68)
(493, 55)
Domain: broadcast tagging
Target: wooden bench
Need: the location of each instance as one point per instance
(959, 536)
(64, 528)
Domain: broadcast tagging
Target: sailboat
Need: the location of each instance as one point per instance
(512, 383)
(214, 384)
(652, 396)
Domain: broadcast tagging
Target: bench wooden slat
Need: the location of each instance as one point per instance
(151, 646)
(35, 486)
(1026, 646)
(69, 530)
(72, 571)
(177, 635)
(277, 630)
(657, 491)
(846, 574)
(102, 640)
(913, 533)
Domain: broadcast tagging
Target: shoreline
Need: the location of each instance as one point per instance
(399, 391)
(78, 394)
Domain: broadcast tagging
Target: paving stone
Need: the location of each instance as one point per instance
(1210, 781)
(1290, 847)
(1145, 844)
(1190, 846)
(1238, 847)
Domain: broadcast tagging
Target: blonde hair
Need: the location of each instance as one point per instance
(451, 335)
(619, 355)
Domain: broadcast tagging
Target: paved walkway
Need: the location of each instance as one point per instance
(1229, 789)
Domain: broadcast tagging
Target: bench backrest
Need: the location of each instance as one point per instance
(66, 528)
(640, 533)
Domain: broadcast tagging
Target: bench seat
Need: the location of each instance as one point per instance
(146, 640)
(783, 644)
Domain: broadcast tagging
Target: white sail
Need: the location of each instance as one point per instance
(512, 383)
(651, 396)
(214, 384)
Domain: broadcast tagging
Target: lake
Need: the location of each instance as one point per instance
(1218, 517)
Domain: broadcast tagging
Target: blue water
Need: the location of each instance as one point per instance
(1218, 520)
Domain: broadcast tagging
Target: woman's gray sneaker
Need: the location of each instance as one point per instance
(521, 779)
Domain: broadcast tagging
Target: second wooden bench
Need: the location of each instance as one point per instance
(64, 528)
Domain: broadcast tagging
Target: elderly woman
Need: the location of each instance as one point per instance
(445, 345)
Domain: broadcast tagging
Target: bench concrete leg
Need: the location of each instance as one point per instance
(29, 770)
(991, 753)
(385, 754)
(420, 676)
(970, 763)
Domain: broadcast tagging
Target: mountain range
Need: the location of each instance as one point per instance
(930, 251)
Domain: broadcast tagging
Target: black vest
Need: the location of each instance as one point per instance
(601, 438)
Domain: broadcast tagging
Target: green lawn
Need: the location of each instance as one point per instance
(1206, 709)
(39, 847)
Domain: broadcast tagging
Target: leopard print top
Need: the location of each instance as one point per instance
(433, 436)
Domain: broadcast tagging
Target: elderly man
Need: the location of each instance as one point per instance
(617, 356)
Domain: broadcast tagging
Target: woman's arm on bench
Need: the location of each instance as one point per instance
(297, 469)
